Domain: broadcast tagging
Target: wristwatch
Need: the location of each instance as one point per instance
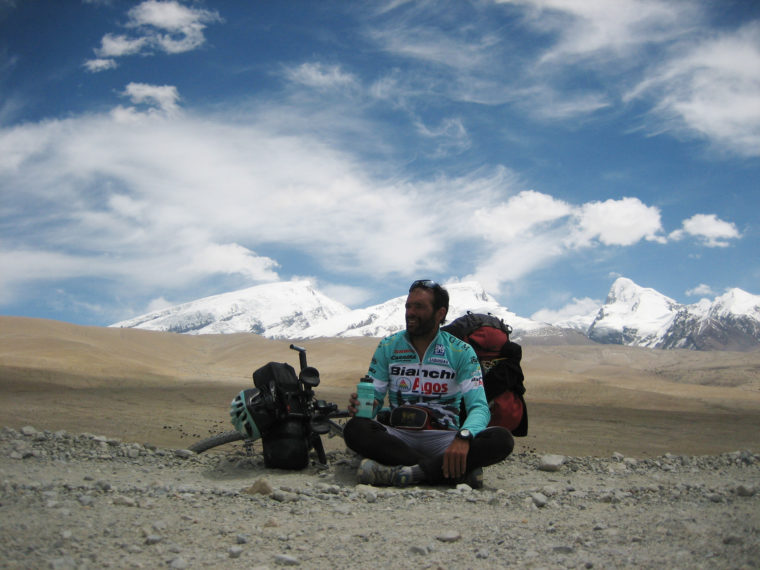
(465, 434)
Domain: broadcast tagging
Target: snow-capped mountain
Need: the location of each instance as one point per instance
(296, 310)
(639, 316)
(276, 310)
(388, 317)
(730, 322)
(631, 315)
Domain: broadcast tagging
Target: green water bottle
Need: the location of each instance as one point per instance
(365, 392)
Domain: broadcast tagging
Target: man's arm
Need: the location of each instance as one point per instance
(473, 392)
(378, 371)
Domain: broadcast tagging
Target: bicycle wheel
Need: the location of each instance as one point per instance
(216, 441)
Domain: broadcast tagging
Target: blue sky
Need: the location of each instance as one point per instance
(155, 152)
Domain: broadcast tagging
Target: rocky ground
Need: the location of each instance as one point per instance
(86, 501)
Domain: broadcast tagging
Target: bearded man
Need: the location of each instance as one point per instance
(427, 374)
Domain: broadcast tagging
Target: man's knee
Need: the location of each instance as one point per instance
(357, 430)
(499, 440)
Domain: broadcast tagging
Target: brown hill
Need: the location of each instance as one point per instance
(169, 389)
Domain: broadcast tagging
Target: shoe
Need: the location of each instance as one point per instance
(474, 478)
(373, 473)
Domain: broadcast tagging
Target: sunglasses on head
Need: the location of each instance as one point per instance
(424, 283)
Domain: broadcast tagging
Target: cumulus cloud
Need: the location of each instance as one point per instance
(616, 222)
(157, 26)
(701, 290)
(708, 229)
(164, 97)
(148, 197)
(585, 307)
(96, 65)
(172, 199)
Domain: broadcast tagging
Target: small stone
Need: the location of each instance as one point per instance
(284, 496)
(260, 487)
(367, 493)
(235, 551)
(286, 560)
(153, 539)
(183, 453)
(551, 462)
(745, 490)
(563, 549)
(178, 563)
(539, 499)
(123, 501)
(449, 536)
(85, 500)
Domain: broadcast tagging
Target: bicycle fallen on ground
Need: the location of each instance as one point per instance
(282, 410)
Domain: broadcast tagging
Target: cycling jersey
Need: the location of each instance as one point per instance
(448, 373)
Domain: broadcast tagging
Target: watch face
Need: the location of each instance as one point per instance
(464, 434)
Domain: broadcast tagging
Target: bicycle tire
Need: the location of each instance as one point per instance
(216, 441)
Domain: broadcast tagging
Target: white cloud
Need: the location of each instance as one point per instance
(118, 46)
(450, 136)
(157, 304)
(166, 200)
(165, 97)
(348, 295)
(606, 30)
(616, 222)
(168, 27)
(575, 308)
(708, 229)
(320, 76)
(521, 216)
(701, 290)
(710, 89)
(97, 65)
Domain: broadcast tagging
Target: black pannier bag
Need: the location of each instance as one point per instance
(286, 444)
(286, 441)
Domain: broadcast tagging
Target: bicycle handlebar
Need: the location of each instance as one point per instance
(301, 355)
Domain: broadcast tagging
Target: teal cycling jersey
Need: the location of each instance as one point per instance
(448, 373)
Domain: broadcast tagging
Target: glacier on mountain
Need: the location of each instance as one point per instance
(631, 315)
(275, 310)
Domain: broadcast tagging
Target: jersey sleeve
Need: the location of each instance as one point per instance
(473, 392)
(378, 370)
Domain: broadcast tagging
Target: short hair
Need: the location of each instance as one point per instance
(440, 295)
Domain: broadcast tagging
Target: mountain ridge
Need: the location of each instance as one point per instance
(631, 315)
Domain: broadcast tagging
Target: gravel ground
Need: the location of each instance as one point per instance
(87, 501)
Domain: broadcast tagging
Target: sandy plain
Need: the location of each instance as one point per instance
(170, 390)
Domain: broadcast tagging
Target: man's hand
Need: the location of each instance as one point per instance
(353, 404)
(455, 458)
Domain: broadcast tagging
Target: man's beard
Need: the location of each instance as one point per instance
(422, 328)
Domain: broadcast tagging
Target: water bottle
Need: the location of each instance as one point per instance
(365, 392)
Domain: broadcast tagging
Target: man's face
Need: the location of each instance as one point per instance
(420, 317)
